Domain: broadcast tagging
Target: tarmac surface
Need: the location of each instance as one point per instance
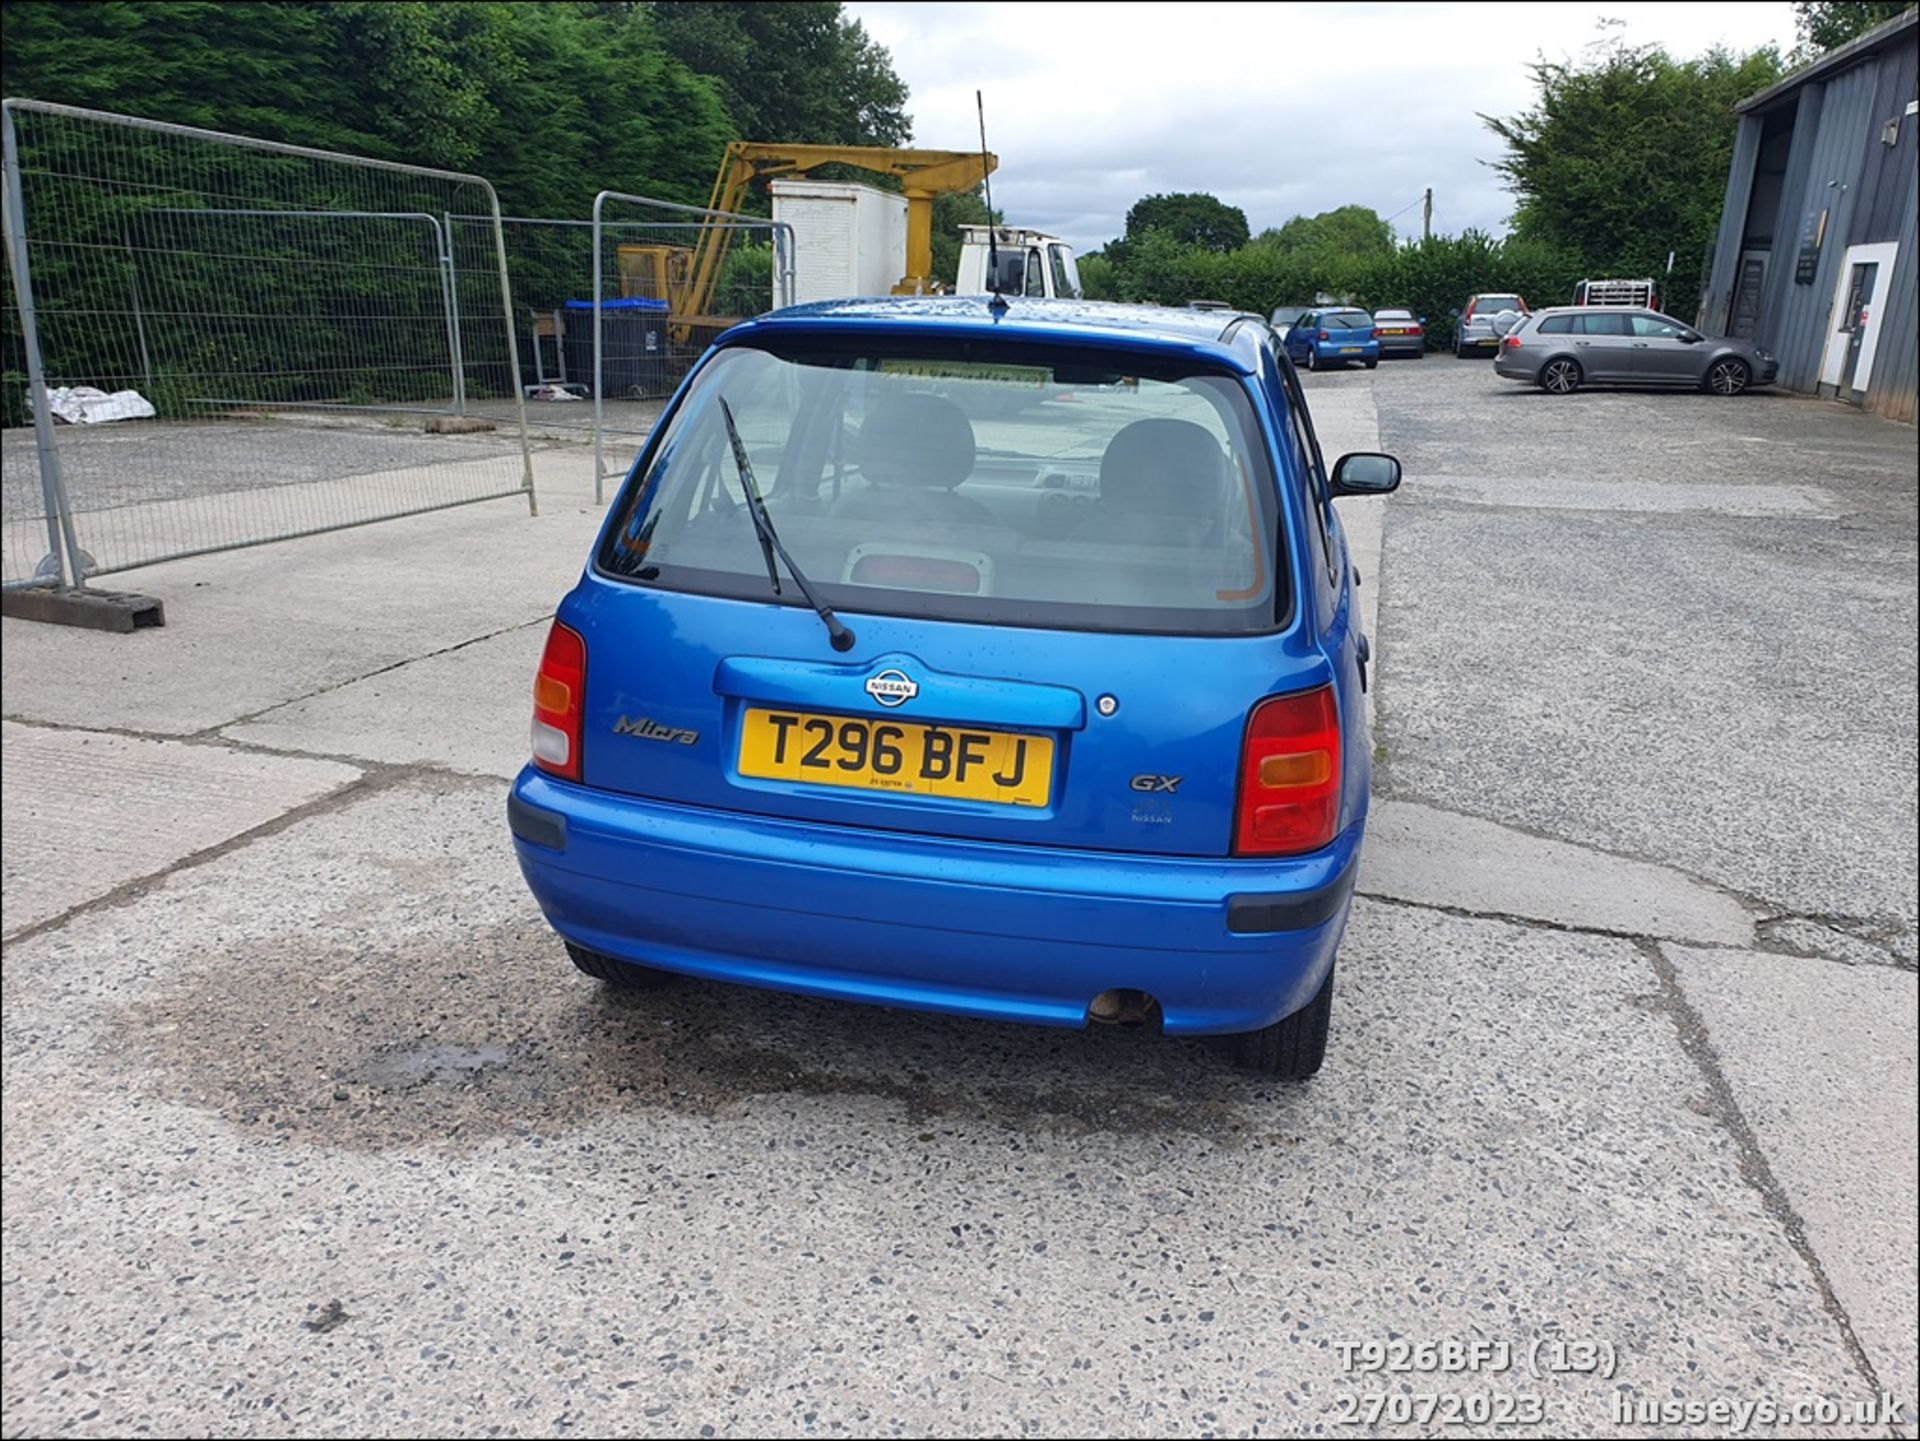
(311, 1127)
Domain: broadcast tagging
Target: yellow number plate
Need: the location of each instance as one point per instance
(1009, 767)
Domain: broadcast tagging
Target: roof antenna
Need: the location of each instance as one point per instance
(999, 301)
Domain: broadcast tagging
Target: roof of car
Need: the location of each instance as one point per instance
(1206, 330)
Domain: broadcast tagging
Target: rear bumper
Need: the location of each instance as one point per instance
(1015, 933)
(1413, 345)
(1514, 369)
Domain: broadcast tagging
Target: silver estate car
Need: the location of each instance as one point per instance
(1567, 347)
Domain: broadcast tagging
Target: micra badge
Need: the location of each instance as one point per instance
(649, 730)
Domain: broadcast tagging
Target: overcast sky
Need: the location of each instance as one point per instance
(1281, 109)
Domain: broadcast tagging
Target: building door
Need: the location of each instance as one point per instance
(1746, 294)
(1853, 328)
(1856, 319)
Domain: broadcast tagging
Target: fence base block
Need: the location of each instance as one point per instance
(91, 609)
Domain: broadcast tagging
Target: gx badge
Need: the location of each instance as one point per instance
(1160, 785)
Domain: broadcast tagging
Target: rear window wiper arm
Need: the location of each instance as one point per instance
(837, 633)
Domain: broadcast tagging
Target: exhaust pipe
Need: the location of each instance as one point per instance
(1124, 1007)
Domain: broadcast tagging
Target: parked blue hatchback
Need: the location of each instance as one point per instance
(1337, 335)
(994, 659)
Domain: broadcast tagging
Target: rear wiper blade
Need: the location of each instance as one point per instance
(838, 634)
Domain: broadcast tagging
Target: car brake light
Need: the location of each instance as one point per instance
(559, 695)
(1512, 342)
(912, 572)
(1325, 336)
(1289, 776)
(1415, 330)
(1376, 332)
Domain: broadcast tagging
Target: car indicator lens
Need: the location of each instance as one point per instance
(557, 703)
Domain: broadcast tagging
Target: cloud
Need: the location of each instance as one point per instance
(1279, 109)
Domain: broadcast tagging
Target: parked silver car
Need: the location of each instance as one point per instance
(1485, 321)
(1567, 347)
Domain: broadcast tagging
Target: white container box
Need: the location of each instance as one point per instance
(847, 239)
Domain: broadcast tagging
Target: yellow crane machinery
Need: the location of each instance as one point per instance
(686, 278)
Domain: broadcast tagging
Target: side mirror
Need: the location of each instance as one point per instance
(1366, 472)
(1690, 337)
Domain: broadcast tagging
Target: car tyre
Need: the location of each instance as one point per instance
(1291, 1049)
(621, 975)
(1560, 376)
(1727, 377)
(1372, 365)
(1313, 357)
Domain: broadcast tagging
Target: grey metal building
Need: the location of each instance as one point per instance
(1817, 254)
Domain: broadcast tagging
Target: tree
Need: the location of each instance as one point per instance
(1350, 230)
(1625, 159)
(800, 72)
(1825, 25)
(1194, 218)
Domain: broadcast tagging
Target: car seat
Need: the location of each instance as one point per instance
(913, 450)
(1161, 483)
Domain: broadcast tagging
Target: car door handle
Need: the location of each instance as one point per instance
(1583, 344)
(1639, 345)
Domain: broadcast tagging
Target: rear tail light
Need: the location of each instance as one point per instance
(1376, 332)
(1325, 336)
(1415, 330)
(1289, 776)
(1512, 342)
(559, 694)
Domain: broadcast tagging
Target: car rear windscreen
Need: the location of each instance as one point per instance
(1003, 483)
(1346, 320)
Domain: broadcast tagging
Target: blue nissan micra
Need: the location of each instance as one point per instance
(991, 658)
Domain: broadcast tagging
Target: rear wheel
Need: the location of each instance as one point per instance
(1313, 357)
(621, 975)
(1373, 364)
(1560, 376)
(1291, 1049)
(1728, 377)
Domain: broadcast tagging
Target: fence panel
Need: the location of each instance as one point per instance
(667, 279)
(299, 340)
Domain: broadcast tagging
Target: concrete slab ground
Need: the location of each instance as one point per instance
(87, 812)
(1823, 1060)
(1431, 857)
(544, 1207)
(254, 629)
(317, 1131)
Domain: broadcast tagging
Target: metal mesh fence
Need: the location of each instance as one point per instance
(242, 342)
(667, 279)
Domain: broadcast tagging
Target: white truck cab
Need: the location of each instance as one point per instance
(1032, 263)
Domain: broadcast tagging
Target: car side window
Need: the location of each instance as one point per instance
(1603, 324)
(1318, 497)
(1557, 325)
(1656, 327)
(1036, 274)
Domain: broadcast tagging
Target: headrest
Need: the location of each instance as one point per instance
(1161, 467)
(923, 441)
